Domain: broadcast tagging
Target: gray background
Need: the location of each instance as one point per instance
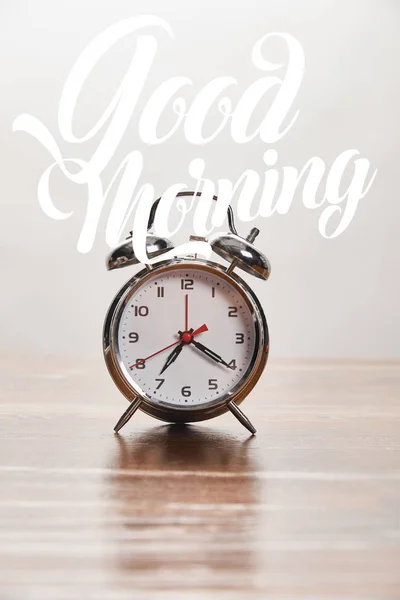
(325, 298)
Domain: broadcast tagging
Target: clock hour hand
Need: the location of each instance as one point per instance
(186, 338)
(172, 357)
(210, 353)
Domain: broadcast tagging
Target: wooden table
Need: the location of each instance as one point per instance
(308, 508)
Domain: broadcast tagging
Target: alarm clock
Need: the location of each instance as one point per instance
(186, 339)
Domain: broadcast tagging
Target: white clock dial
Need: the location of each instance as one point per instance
(162, 352)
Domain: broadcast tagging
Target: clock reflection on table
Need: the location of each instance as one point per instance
(184, 497)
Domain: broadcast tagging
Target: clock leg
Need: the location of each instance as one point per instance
(130, 411)
(241, 417)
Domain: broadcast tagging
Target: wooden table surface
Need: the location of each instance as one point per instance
(308, 508)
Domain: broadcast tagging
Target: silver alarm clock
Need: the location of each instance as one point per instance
(186, 339)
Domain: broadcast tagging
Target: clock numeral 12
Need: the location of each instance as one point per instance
(187, 284)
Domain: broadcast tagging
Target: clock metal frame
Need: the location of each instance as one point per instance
(164, 411)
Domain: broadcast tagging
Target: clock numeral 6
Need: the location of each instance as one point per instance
(187, 284)
(186, 391)
(133, 337)
(239, 338)
(213, 384)
(140, 363)
(232, 311)
(141, 311)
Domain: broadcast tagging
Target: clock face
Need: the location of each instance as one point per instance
(186, 336)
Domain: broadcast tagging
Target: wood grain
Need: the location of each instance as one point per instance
(308, 508)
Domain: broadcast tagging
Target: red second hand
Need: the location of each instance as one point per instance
(196, 332)
(201, 329)
(187, 312)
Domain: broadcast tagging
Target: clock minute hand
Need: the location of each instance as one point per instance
(210, 353)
